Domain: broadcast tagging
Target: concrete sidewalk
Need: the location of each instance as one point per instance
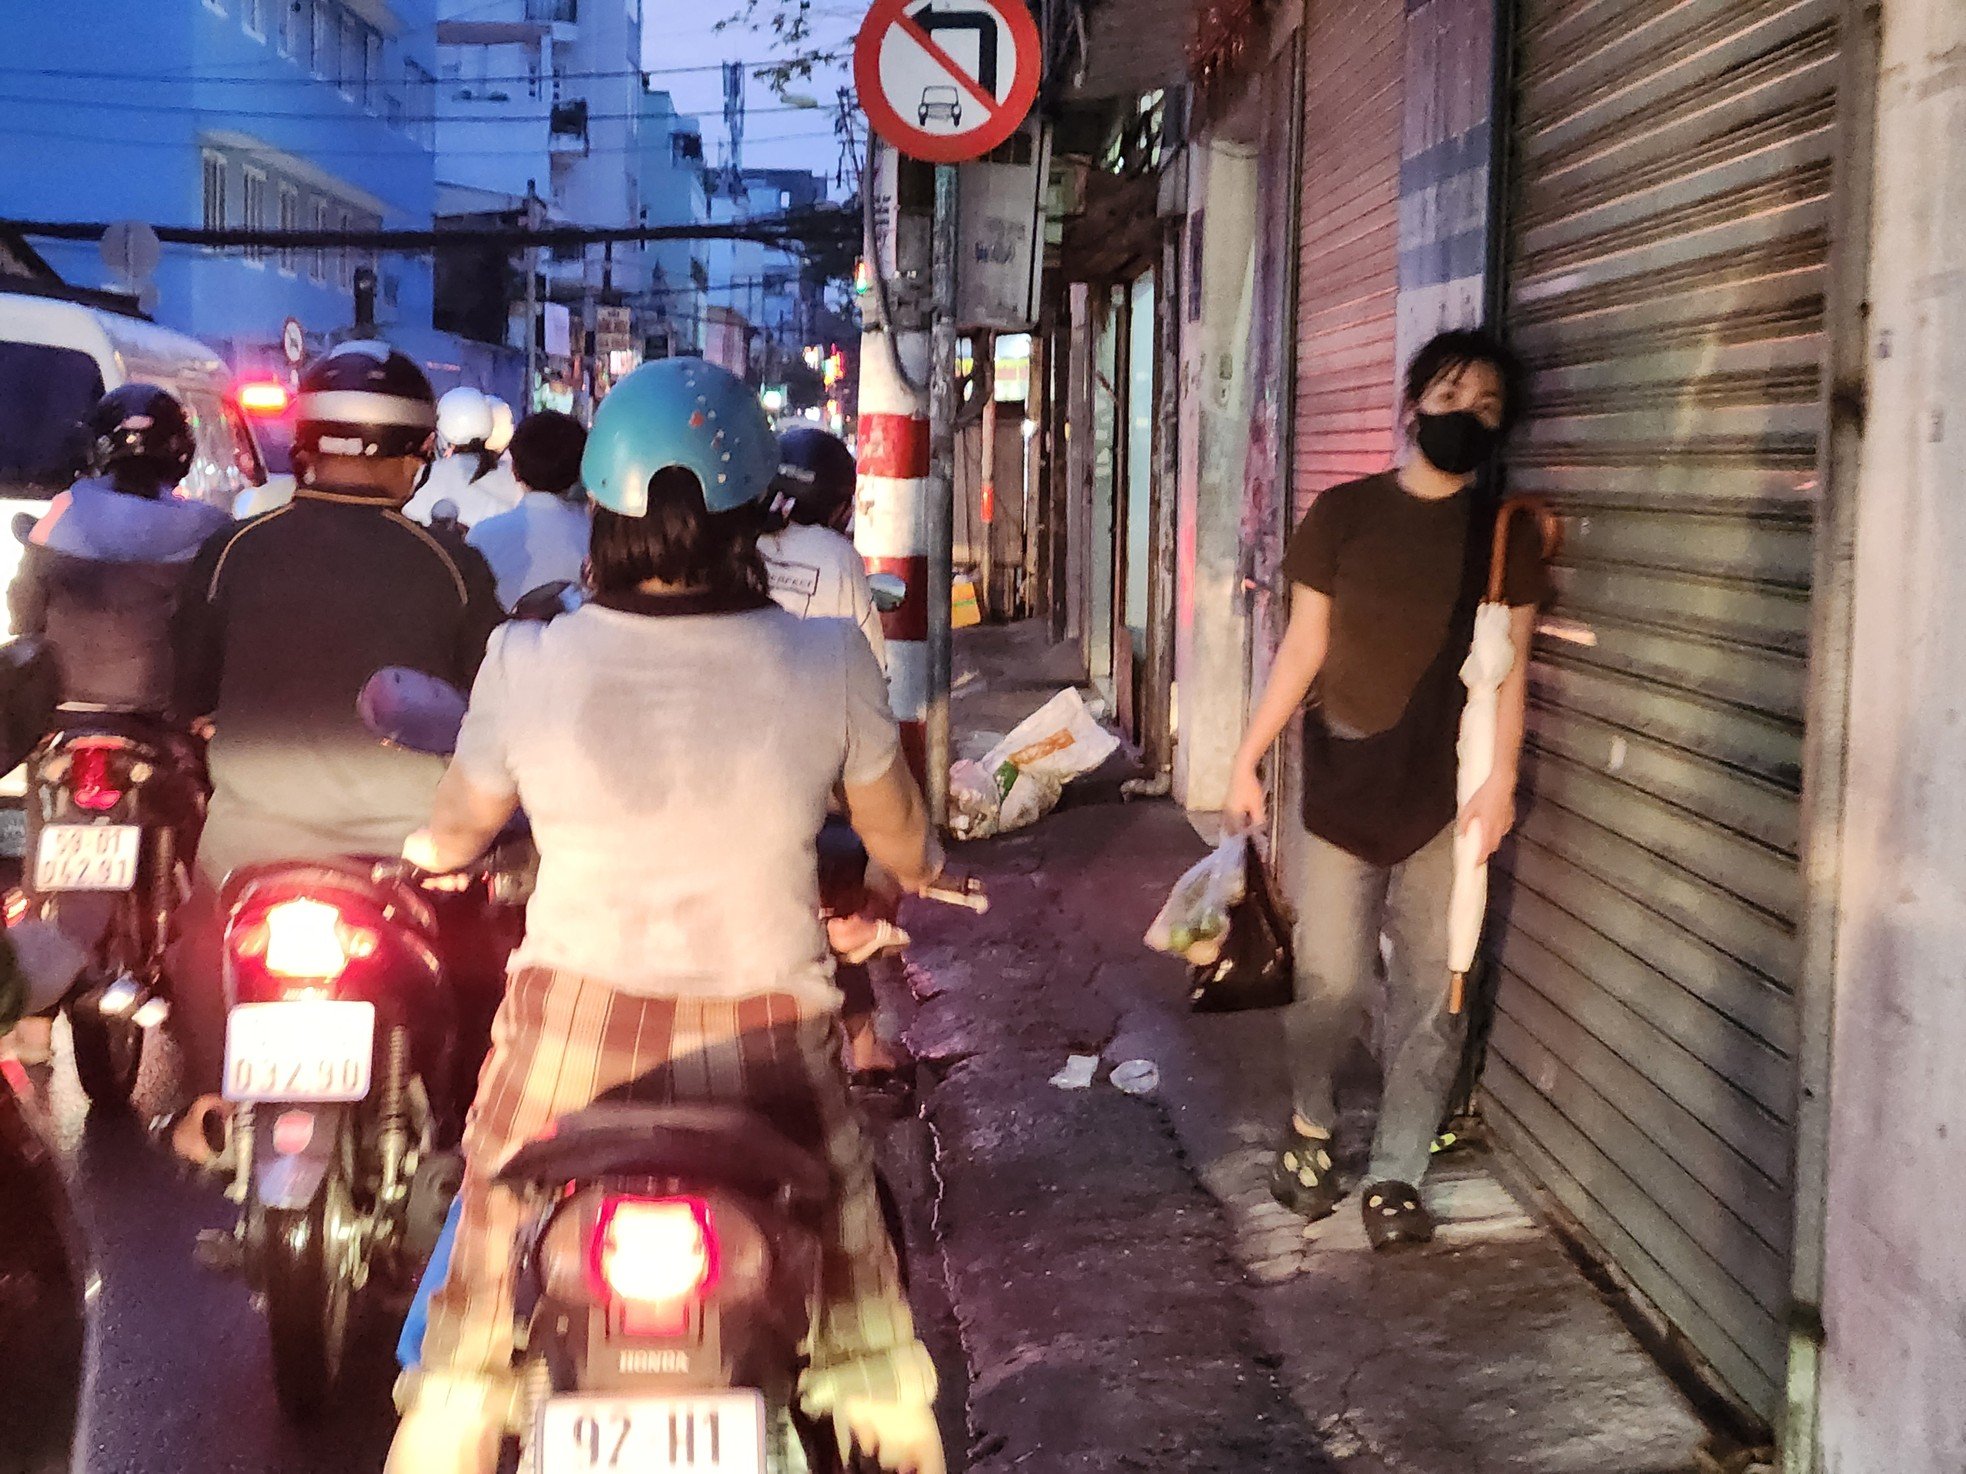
(1128, 1297)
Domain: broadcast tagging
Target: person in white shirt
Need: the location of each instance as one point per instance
(468, 473)
(815, 571)
(543, 540)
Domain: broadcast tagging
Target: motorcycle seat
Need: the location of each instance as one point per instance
(728, 1146)
(352, 876)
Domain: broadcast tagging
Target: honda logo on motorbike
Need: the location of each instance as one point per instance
(660, 1362)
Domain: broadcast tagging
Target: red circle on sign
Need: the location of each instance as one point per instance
(1001, 119)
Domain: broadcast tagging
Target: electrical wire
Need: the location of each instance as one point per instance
(219, 115)
(352, 151)
(305, 77)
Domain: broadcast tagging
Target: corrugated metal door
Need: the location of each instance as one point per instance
(1667, 240)
(1344, 417)
(1348, 242)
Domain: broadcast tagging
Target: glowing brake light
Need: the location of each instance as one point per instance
(263, 397)
(658, 1253)
(92, 780)
(305, 939)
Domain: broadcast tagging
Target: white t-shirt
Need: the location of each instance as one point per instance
(817, 574)
(542, 540)
(676, 770)
(496, 491)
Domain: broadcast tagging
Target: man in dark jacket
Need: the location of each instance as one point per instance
(286, 618)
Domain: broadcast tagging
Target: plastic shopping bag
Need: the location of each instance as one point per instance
(1194, 923)
(1019, 781)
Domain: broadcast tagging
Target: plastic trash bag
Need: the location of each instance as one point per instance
(1194, 923)
(1020, 779)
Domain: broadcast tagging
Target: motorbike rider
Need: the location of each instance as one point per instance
(467, 473)
(815, 571)
(286, 617)
(543, 540)
(674, 743)
(100, 579)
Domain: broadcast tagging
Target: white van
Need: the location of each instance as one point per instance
(57, 358)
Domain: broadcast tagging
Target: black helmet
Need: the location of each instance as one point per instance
(142, 423)
(364, 398)
(816, 476)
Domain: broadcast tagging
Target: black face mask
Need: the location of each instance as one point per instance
(1456, 443)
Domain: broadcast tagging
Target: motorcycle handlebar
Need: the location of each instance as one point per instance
(959, 889)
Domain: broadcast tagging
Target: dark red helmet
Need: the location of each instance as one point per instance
(816, 477)
(144, 424)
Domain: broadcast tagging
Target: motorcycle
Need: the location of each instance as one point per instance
(348, 1064)
(115, 801)
(668, 1260)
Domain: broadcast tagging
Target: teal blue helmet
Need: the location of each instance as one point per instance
(679, 412)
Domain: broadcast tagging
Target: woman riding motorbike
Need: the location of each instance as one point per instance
(674, 744)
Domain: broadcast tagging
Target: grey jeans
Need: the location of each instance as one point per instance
(1347, 904)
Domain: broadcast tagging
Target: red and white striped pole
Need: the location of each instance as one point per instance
(891, 527)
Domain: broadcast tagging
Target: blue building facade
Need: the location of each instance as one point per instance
(303, 114)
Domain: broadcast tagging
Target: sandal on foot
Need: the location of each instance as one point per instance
(1303, 1178)
(1395, 1215)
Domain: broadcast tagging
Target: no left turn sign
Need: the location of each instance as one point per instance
(950, 81)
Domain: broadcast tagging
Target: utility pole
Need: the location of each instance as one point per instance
(891, 526)
(942, 492)
(532, 303)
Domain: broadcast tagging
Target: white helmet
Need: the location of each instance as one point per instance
(464, 417)
(501, 430)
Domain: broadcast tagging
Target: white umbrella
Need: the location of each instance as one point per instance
(1490, 658)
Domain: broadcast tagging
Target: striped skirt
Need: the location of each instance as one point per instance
(561, 1042)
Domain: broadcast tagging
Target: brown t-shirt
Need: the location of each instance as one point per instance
(1393, 566)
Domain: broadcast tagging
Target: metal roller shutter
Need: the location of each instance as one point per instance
(1666, 256)
(1348, 243)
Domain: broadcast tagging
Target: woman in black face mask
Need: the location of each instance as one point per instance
(1386, 572)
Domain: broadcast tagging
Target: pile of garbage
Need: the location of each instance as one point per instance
(1020, 779)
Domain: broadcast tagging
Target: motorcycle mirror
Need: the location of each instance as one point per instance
(548, 601)
(412, 709)
(444, 511)
(890, 591)
(24, 523)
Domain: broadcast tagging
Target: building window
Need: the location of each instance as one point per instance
(322, 59)
(317, 259)
(254, 199)
(215, 218)
(348, 55)
(252, 15)
(289, 220)
(292, 28)
(371, 70)
(421, 104)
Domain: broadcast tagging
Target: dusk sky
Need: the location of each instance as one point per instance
(683, 33)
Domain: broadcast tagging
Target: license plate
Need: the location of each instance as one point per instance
(703, 1433)
(306, 1050)
(87, 857)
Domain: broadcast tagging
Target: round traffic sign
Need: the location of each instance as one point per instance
(293, 341)
(131, 250)
(950, 81)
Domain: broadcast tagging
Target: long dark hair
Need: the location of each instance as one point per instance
(678, 542)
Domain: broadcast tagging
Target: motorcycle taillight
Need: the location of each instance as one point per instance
(656, 1257)
(303, 940)
(93, 782)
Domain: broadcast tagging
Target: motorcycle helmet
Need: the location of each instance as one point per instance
(501, 425)
(816, 477)
(680, 412)
(141, 423)
(464, 418)
(364, 399)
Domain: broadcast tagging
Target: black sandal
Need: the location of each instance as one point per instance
(1304, 1178)
(1395, 1215)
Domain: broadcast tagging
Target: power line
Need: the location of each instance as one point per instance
(822, 225)
(305, 77)
(220, 115)
(352, 151)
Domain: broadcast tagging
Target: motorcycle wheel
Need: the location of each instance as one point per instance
(310, 1258)
(108, 1055)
